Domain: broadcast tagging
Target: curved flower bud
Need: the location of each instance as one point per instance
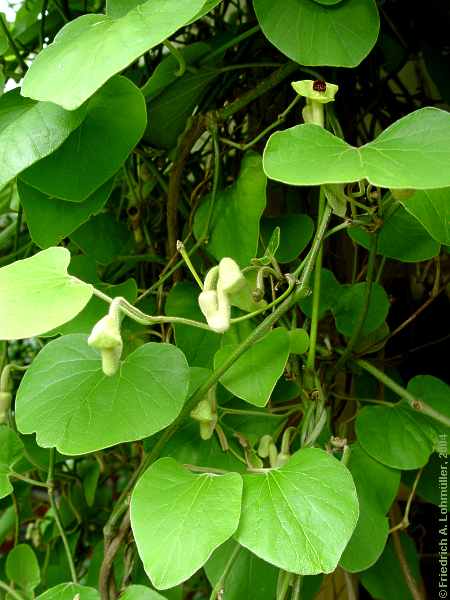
(105, 336)
(216, 308)
(230, 276)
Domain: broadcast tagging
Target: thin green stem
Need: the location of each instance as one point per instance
(12, 592)
(267, 307)
(363, 314)
(297, 588)
(285, 582)
(311, 358)
(233, 42)
(13, 45)
(56, 516)
(415, 403)
(33, 482)
(216, 178)
(175, 52)
(221, 581)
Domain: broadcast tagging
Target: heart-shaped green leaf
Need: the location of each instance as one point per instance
(300, 517)
(50, 219)
(313, 34)
(115, 121)
(90, 50)
(67, 400)
(37, 294)
(29, 131)
(103, 238)
(179, 519)
(432, 209)
(238, 209)
(254, 375)
(396, 436)
(377, 487)
(11, 451)
(412, 153)
(69, 591)
(330, 291)
(350, 304)
(22, 567)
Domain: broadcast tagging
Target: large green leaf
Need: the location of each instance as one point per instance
(254, 375)
(199, 345)
(377, 487)
(22, 567)
(114, 123)
(238, 209)
(69, 591)
(402, 237)
(350, 304)
(11, 451)
(179, 519)
(432, 209)
(50, 219)
(29, 131)
(413, 152)
(67, 400)
(37, 294)
(91, 49)
(312, 34)
(300, 517)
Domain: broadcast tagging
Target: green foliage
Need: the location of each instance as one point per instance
(139, 447)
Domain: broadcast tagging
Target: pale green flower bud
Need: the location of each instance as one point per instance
(230, 276)
(5, 403)
(105, 336)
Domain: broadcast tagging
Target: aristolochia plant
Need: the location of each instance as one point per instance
(213, 418)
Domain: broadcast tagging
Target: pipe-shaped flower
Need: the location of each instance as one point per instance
(230, 276)
(317, 93)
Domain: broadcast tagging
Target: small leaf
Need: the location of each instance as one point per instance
(412, 153)
(50, 219)
(377, 487)
(11, 451)
(22, 567)
(313, 34)
(97, 42)
(350, 305)
(237, 209)
(29, 131)
(299, 341)
(69, 591)
(432, 209)
(179, 519)
(114, 123)
(37, 294)
(254, 375)
(330, 292)
(67, 400)
(296, 231)
(300, 517)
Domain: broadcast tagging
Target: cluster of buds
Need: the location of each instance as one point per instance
(220, 283)
(106, 337)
